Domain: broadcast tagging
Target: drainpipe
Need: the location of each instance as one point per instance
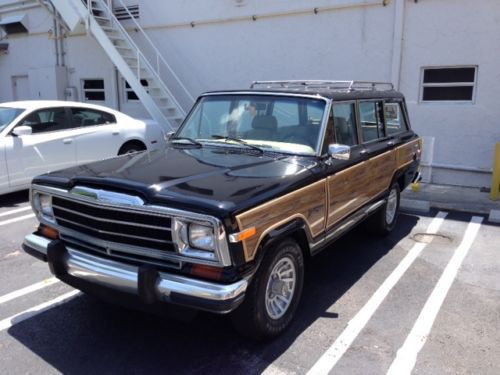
(56, 33)
(397, 42)
(60, 38)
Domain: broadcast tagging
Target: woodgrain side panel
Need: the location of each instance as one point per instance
(346, 191)
(406, 153)
(308, 203)
(353, 187)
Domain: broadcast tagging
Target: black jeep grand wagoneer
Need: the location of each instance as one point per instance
(251, 184)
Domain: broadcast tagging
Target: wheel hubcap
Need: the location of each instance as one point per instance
(280, 288)
(391, 207)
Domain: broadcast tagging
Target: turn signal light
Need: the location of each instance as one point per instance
(48, 232)
(243, 235)
(209, 272)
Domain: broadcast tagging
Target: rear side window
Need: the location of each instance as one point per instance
(47, 120)
(344, 121)
(372, 127)
(394, 119)
(91, 117)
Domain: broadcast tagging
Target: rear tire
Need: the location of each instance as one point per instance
(384, 220)
(274, 294)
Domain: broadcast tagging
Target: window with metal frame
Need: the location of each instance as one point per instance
(344, 120)
(126, 12)
(452, 84)
(372, 126)
(395, 121)
(130, 94)
(93, 90)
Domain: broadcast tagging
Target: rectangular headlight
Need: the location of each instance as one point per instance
(42, 204)
(202, 237)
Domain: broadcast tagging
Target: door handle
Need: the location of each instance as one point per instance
(67, 141)
(391, 144)
(116, 132)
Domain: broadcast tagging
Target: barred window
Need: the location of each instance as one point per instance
(93, 90)
(455, 84)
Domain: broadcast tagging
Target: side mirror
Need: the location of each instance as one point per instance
(22, 130)
(168, 136)
(339, 152)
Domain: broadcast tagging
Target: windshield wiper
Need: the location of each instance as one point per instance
(237, 140)
(190, 140)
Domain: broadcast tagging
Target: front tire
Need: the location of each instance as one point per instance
(384, 220)
(274, 294)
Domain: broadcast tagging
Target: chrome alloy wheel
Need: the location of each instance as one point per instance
(391, 206)
(280, 288)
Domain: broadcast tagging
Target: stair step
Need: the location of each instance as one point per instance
(172, 110)
(125, 48)
(109, 29)
(175, 118)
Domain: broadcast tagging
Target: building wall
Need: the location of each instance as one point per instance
(217, 44)
(461, 32)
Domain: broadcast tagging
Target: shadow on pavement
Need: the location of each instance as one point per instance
(87, 336)
(14, 199)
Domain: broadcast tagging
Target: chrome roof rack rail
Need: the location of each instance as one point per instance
(344, 86)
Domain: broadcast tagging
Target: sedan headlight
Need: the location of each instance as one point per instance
(42, 204)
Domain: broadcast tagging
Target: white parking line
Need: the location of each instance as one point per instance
(15, 220)
(29, 289)
(29, 313)
(330, 358)
(7, 213)
(407, 355)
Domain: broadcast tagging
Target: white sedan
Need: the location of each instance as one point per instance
(41, 136)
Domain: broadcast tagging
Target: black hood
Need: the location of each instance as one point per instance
(215, 180)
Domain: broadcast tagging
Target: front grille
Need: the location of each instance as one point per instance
(116, 231)
(134, 257)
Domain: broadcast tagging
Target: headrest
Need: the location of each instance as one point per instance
(265, 122)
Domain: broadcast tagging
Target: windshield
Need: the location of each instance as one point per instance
(273, 123)
(8, 114)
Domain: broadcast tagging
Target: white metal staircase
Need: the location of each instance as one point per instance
(98, 18)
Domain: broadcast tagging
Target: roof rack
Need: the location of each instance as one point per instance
(343, 86)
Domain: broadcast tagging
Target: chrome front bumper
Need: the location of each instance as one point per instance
(121, 277)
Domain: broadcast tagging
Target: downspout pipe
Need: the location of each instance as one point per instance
(397, 42)
(56, 32)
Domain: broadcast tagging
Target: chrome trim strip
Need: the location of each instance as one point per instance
(110, 220)
(122, 255)
(347, 223)
(124, 277)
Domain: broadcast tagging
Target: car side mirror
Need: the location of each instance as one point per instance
(168, 136)
(22, 130)
(339, 152)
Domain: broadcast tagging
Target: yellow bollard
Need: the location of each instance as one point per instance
(495, 180)
(415, 187)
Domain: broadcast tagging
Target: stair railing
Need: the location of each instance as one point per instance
(160, 60)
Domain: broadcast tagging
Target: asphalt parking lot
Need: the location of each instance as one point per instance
(424, 300)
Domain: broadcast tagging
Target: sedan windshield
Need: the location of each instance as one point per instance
(270, 123)
(7, 115)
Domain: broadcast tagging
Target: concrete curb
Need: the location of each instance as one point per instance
(415, 205)
(494, 216)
